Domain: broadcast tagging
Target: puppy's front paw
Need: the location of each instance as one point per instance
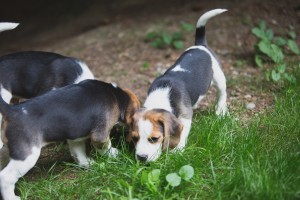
(113, 152)
(222, 111)
(179, 148)
(16, 198)
(87, 163)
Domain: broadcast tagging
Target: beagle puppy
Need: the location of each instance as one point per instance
(165, 120)
(72, 113)
(32, 73)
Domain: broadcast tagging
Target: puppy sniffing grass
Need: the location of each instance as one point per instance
(166, 118)
(73, 113)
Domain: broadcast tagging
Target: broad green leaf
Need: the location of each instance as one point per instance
(293, 46)
(187, 26)
(269, 34)
(290, 78)
(262, 25)
(144, 177)
(186, 172)
(177, 36)
(157, 43)
(258, 61)
(292, 34)
(265, 47)
(259, 33)
(281, 68)
(271, 50)
(280, 41)
(178, 44)
(166, 38)
(151, 35)
(275, 76)
(173, 179)
(277, 55)
(153, 176)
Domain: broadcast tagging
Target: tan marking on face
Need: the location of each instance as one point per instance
(157, 131)
(133, 127)
(172, 126)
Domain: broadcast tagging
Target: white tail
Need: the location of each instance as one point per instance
(5, 26)
(206, 16)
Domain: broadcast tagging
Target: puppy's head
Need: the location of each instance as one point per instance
(153, 131)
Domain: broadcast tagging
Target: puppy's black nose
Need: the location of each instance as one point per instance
(142, 157)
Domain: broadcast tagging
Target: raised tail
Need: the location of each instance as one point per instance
(5, 26)
(200, 38)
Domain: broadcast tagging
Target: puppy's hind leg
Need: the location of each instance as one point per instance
(78, 152)
(219, 81)
(6, 95)
(108, 149)
(15, 170)
(103, 144)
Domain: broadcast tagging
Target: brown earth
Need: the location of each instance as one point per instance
(109, 37)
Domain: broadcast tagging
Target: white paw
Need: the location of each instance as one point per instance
(221, 111)
(113, 152)
(12, 197)
(16, 198)
(179, 148)
(88, 162)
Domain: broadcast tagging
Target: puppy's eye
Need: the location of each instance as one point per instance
(153, 139)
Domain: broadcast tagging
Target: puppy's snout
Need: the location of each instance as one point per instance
(142, 157)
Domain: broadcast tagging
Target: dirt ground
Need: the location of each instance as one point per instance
(110, 38)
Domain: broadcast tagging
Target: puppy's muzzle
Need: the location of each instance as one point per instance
(142, 157)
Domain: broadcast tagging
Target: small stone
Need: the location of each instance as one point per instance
(250, 106)
(235, 72)
(248, 96)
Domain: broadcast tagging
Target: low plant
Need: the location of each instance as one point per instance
(152, 179)
(272, 51)
(164, 39)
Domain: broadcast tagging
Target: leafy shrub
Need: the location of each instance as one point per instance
(163, 39)
(272, 50)
(152, 179)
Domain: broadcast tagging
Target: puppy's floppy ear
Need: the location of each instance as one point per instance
(172, 127)
(133, 125)
(133, 106)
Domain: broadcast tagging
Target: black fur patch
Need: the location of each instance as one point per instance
(71, 112)
(32, 73)
(191, 81)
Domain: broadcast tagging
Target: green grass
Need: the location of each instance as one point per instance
(232, 160)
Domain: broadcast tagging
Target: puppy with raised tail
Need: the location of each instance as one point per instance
(166, 118)
(72, 113)
(32, 73)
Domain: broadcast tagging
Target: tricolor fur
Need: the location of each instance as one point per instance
(32, 73)
(73, 113)
(166, 118)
